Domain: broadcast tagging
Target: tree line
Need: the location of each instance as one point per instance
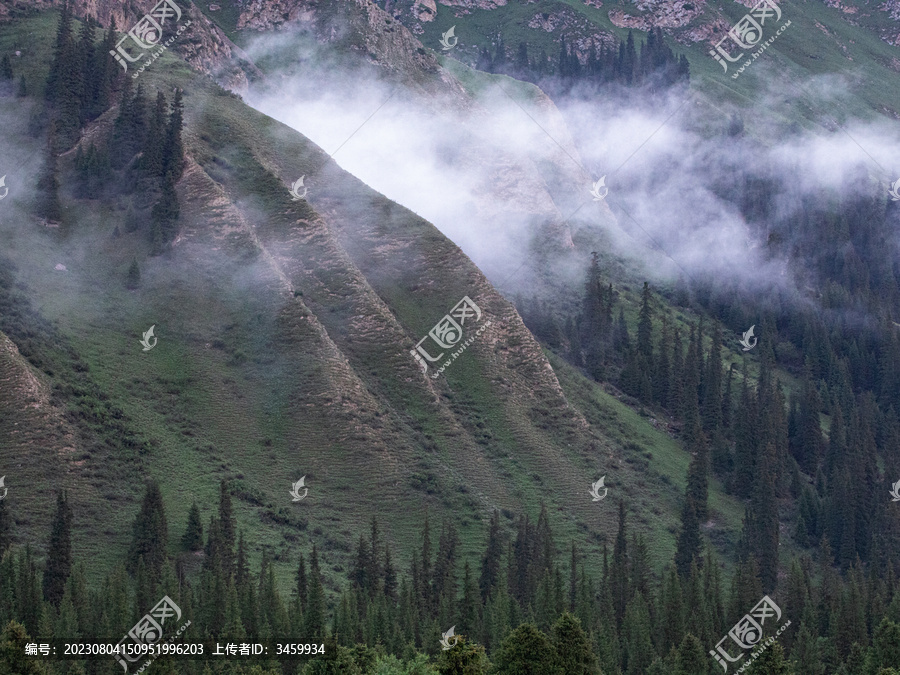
(142, 157)
(653, 63)
(524, 605)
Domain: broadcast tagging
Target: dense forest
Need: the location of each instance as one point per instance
(653, 63)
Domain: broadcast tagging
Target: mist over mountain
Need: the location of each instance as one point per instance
(451, 336)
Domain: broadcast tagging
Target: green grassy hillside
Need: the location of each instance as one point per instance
(284, 333)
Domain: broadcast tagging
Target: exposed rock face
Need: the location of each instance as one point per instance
(203, 44)
(474, 4)
(425, 10)
(263, 15)
(661, 13)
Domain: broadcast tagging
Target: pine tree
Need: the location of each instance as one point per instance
(645, 326)
(574, 654)
(691, 659)
(526, 651)
(149, 534)
(671, 613)
(618, 573)
(636, 632)
(772, 662)
(12, 652)
(6, 76)
(227, 529)
(48, 205)
(315, 613)
(152, 157)
(490, 562)
(164, 217)
(463, 658)
(192, 540)
(5, 531)
(130, 127)
(59, 552)
(698, 470)
(132, 281)
(688, 546)
(173, 149)
(389, 588)
(764, 535)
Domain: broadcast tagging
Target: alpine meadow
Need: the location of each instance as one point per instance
(450, 337)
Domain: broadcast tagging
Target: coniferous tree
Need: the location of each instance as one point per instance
(173, 149)
(698, 470)
(636, 632)
(59, 552)
(5, 530)
(645, 326)
(149, 534)
(227, 529)
(691, 658)
(763, 536)
(772, 662)
(164, 217)
(132, 281)
(688, 546)
(574, 654)
(526, 651)
(12, 651)
(463, 658)
(490, 562)
(315, 611)
(48, 205)
(152, 157)
(389, 587)
(130, 128)
(192, 540)
(618, 573)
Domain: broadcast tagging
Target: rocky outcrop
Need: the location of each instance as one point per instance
(203, 45)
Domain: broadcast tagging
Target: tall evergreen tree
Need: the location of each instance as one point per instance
(618, 573)
(192, 540)
(149, 534)
(526, 651)
(490, 562)
(227, 528)
(689, 542)
(59, 552)
(5, 530)
(173, 148)
(315, 611)
(574, 654)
